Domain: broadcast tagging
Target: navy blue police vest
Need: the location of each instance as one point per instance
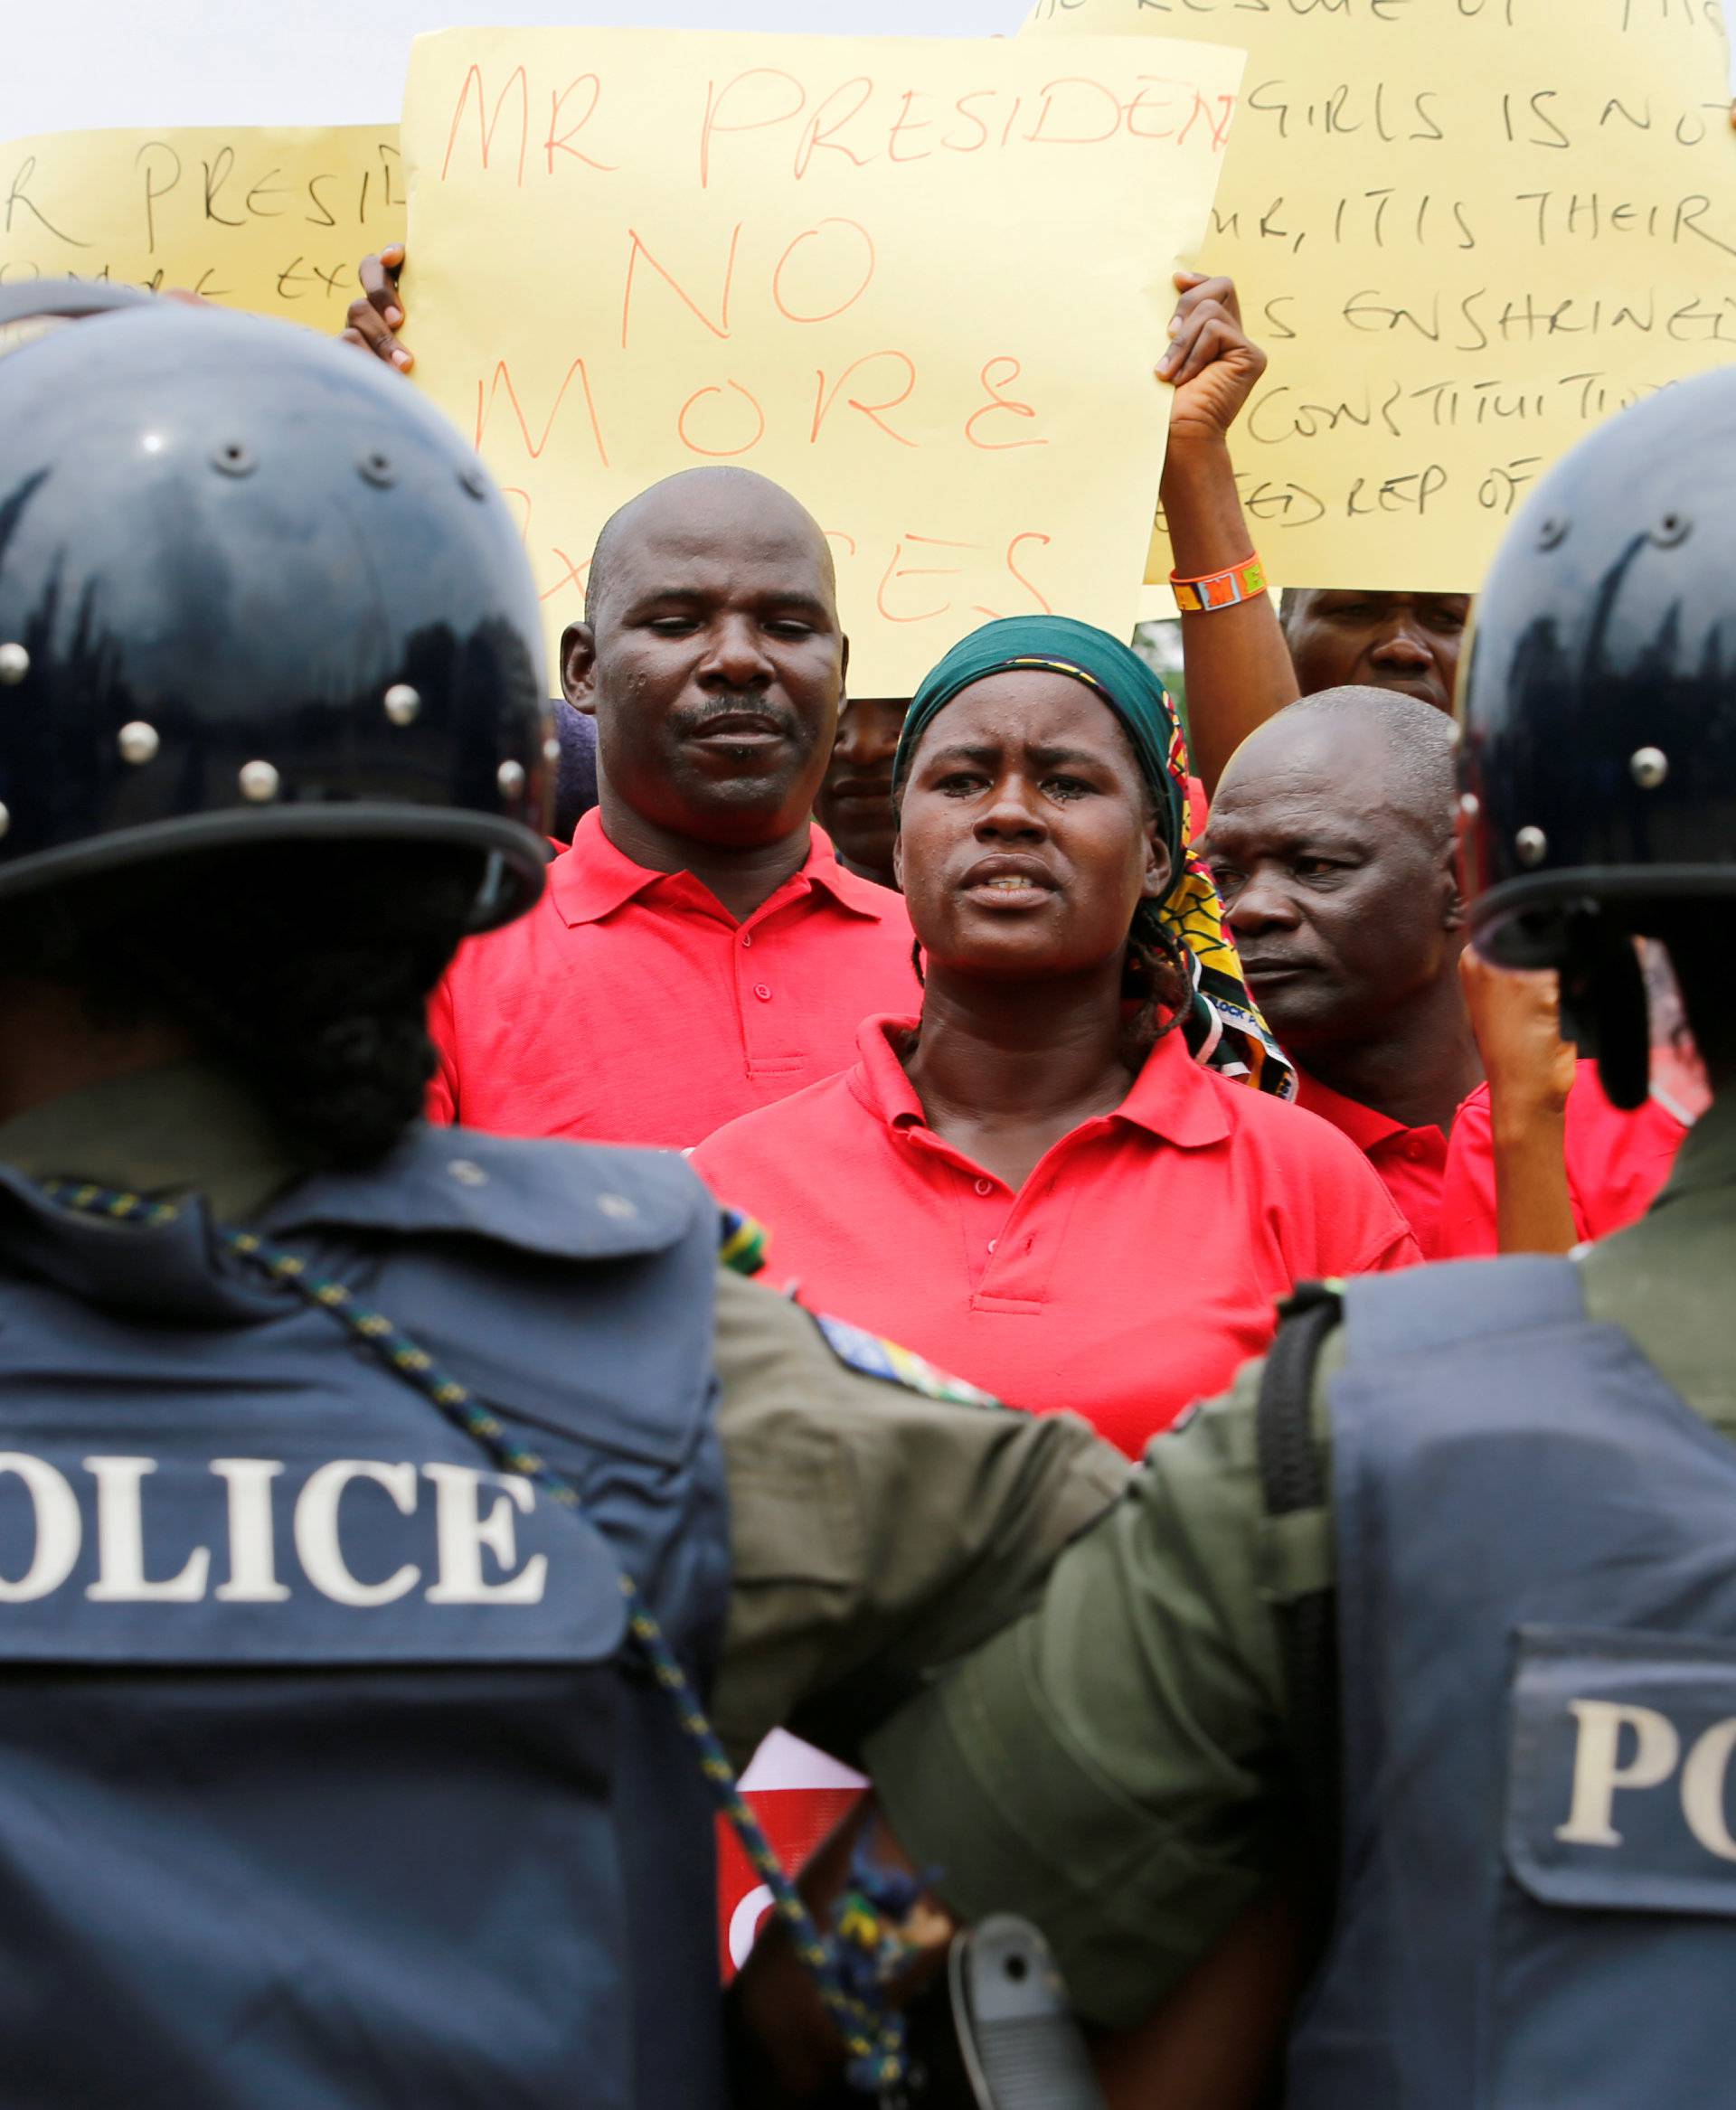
(1537, 1616)
(326, 1775)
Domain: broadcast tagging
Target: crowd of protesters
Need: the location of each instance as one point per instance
(1063, 1116)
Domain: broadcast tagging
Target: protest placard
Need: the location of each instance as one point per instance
(270, 221)
(921, 284)
(1465, 231)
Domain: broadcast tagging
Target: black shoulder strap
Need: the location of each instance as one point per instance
(1291, 1479)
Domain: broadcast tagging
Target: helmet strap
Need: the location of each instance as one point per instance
(1603, 1003)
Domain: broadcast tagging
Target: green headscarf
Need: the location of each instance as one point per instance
(1229, 1032)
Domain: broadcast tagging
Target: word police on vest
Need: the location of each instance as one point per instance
(322, 1540)
(1620, 1771)
(1656, 1758)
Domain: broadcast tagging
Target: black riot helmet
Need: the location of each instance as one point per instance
(1598, 766)
(252, 589)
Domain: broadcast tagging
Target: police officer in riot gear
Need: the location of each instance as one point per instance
(367, 1492)
(1451, 1583)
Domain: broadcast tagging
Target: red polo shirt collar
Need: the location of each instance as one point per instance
(1171, 1097)
(593, 879)
(1136, 1269)
(1366, 1127)
(1411, 1161)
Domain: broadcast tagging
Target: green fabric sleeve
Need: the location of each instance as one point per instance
(878, 1533)
(1107, 1765)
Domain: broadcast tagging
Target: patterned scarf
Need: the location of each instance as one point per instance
(1225, 1031)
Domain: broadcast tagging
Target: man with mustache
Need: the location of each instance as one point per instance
(699, 951)
(1331, 841)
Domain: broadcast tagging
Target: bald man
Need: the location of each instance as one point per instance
(1331, 839)
(699, 951)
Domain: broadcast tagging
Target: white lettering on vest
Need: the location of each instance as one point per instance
(59, 1532)
(1597, 1775)
(474, 1514)
(253, 1541)
(462, 1532)
(1703, 1789)
(315, 1527)
(120, 1541)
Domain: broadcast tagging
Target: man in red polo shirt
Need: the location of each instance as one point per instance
(1331, 841)
(699, 951)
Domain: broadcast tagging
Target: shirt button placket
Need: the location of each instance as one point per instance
(754, 991)
(985, 1220)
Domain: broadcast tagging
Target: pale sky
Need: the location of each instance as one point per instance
(73, 63)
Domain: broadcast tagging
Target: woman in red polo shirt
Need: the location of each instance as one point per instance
(1073, 1180)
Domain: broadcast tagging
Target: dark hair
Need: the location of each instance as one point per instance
(302, 970)
(1157, 972)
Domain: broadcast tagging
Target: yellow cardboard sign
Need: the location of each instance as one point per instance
(921, 284)
(273, 221)
(1465, 231)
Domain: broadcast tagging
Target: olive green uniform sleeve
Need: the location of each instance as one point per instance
(877, 1533)
(1105, 1765)
(1113, 1763)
